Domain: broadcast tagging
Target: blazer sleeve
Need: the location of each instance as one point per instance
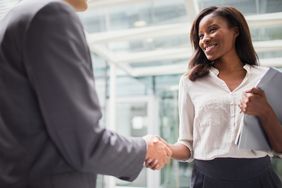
(59, 67)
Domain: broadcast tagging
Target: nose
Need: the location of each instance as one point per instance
(206, 38)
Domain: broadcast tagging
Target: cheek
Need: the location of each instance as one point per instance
(229, 44)
(200, 44)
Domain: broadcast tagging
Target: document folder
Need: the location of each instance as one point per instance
(251, 135)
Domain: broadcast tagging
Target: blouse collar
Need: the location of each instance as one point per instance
(215, 71)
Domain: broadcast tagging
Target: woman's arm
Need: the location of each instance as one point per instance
(273, 129)
(180, 151)
(255, 103)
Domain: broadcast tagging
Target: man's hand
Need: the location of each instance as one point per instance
(158, 152)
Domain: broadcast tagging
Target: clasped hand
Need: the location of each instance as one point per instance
(158, 152)
(254, 102)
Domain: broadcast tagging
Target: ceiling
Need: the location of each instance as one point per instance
(151, 37)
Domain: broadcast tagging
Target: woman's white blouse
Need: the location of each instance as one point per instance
(210, 116)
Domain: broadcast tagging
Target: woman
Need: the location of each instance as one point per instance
(224, 67)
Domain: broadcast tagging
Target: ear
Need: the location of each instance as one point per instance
(236, 31)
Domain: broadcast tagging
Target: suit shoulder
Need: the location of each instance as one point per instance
(53, 15)
(26, 10)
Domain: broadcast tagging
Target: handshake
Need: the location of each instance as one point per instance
(158, 152)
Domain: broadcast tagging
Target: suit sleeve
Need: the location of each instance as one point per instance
(58, 64)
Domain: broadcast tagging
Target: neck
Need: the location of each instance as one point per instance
(229, 64)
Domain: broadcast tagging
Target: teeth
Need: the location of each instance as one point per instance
(210, 46)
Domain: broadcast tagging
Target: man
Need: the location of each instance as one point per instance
(49, 124)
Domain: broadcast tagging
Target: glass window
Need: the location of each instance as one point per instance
(247, 7)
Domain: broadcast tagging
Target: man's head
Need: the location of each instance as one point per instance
(79, 5)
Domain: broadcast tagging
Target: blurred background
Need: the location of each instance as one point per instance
(140, 48)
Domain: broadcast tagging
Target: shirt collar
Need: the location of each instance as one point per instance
(215, 71)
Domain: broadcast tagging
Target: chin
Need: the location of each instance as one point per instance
(82, 8)
(211, 58)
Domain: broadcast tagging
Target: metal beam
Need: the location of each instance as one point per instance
(180, 69)
(263, 20)
(169, 54)
(108, 3)
(138, 33)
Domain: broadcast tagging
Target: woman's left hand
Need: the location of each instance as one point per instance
(254, 102)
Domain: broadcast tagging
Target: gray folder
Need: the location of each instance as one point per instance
(251, 134)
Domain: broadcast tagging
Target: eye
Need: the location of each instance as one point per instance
(212, 29)
(201, 36)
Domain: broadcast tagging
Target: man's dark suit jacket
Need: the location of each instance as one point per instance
(49, 124)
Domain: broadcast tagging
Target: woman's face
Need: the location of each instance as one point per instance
(216, 37)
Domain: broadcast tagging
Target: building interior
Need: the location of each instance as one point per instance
(140, 49)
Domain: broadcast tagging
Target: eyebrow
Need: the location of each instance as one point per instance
(212, 25)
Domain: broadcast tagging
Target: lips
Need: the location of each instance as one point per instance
(208, 48)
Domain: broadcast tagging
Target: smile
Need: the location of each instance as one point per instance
(209, 47)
